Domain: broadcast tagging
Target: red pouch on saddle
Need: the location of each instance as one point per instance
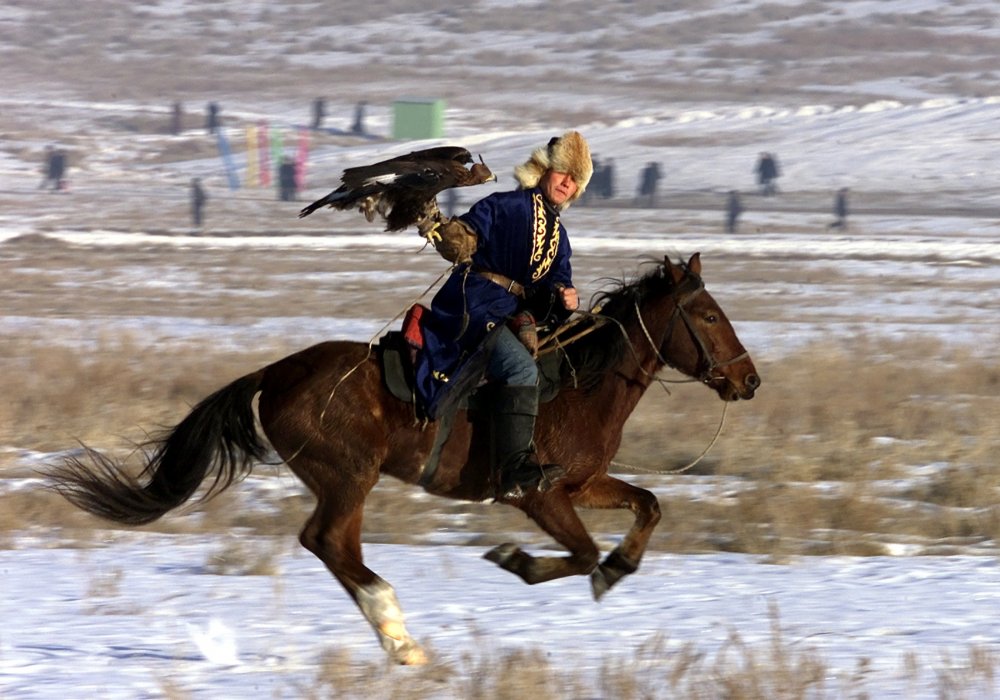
(412, 330)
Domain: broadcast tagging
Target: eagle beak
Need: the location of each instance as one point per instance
(493, 175)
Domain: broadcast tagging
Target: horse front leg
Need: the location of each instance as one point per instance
(377, 602)
(609, 492)
(553, 512)
(333, 534)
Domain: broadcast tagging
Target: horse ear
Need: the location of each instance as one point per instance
(694, 264)
(670, 270)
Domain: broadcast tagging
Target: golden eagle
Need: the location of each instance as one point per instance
(403, 190)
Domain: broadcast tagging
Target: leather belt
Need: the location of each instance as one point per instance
(512, 286)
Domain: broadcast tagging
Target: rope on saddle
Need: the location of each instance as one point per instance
(555, 340)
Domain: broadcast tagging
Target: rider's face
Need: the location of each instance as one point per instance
(557, 187)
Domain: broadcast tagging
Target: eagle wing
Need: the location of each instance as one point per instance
(402, 189)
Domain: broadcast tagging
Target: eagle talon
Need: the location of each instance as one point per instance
(432, 234)
(368, 208)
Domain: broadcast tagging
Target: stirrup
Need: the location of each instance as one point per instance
(528, 476)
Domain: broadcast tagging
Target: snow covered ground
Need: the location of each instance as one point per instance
(909, 128)
(123, 619)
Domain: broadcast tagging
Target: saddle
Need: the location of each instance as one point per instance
(398, 352)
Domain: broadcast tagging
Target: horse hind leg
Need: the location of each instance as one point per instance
(333, 534)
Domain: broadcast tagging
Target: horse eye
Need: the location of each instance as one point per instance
(711, 318)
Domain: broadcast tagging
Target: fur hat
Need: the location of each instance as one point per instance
(568, 153)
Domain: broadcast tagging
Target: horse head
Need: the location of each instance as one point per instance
(696, 337)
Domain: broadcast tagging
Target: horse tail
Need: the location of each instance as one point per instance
(218, 436)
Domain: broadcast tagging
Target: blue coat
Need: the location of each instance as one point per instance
(519, 236)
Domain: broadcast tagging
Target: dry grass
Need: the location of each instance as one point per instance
(814, 465)
(235, 557)
(813, 455)
(58, 394)
(777, 667)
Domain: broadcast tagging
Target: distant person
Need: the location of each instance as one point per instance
(46, 169)
(319, 113)
(212, 122)
(649, 182)
(59, 165)
(176, 119)
(603, 181)
(607, 190)
(767, 172)
(587, 198)
(287, 187)
(839, 210)
(198, 199)
(358, 127)
(53, 170)
(734, 207)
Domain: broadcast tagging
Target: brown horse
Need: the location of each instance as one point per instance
(327, 414)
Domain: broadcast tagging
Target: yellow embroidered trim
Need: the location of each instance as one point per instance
(542, 256)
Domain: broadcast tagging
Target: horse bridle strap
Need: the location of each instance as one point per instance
(681, 298)
(713, 364)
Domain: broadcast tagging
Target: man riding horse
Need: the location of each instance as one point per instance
(510, 247)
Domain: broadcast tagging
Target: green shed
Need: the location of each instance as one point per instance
(414, 118)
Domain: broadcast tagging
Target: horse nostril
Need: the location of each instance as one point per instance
(752, 381)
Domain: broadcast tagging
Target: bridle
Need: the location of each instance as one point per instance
(688, 289)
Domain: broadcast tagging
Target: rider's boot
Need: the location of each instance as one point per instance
(513, 453)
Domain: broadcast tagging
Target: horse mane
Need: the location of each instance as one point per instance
(590, 357)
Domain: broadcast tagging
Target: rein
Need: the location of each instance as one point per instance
(689, 465)
(682, 298)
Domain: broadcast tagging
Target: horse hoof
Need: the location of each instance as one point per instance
(599, 583)
(614, 568)
(411, 656)
(501, 554)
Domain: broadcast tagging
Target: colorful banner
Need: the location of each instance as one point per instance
(264, 151)
(227, 159)
(253, 165)
(301, 157)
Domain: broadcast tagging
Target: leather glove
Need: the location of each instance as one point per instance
(457, 241)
